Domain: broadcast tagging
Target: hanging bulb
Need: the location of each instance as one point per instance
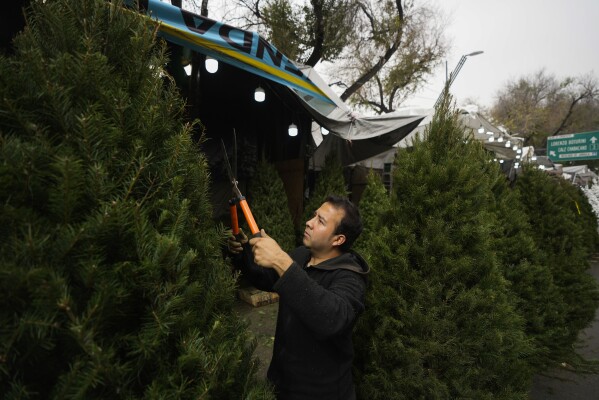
(211, 65)
(500, 140)
(292, 130)
(481, 130)
(492, 139)
(534, 158)
(489, 133)
(324, 131)
(500, 161)
(519, 151)
(515, 147)
(187, 69)
(508, 143)
(259, 94)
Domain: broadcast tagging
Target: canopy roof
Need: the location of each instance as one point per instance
(250, 52)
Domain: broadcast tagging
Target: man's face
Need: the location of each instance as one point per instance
(319, 233)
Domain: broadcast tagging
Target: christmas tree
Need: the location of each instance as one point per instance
(565, 244)
(269, 205)
(374, 205)
(329, 181)
(440, 321)
(537, 297)
(112, 280)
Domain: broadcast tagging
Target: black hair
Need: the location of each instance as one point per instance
(351, 224)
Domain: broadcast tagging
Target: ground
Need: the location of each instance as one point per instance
(262, 322)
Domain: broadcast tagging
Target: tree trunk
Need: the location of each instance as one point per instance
(319, 36)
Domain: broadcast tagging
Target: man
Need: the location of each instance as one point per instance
(321, 289)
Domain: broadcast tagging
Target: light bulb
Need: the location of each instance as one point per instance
(508, 143)
(492, 139)
(515, 147)
(534, 158)
(519, 151)
(489, 133)
(211, 65)
(292, 130)
(481, 130)
(500, 139)
(259, 94)
(187, 69)
(500, 161)
(324, 131)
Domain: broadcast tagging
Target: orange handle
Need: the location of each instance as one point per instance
(248, 216)
(234, 220)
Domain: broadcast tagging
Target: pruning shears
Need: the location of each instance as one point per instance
(238, 198)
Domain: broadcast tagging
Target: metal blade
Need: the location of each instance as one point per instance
(228, 165)
(235, 152)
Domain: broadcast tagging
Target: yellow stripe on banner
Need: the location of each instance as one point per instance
(190, 37)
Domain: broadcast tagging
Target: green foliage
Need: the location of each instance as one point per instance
(329, 181)
(537, 297)
(566, 240)
(269, 205)
(112, 280)
(374, 204)
(325, 27)
(440, 321)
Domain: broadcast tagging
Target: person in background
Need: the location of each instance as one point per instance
(321, 287)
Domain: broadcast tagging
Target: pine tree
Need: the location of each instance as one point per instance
(112, 280)
(440, 321)
(269, 205)
(537, 297)
(374, 205)
(560, 234)
(329, 182)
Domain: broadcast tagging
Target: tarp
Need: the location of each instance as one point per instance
(353, 151)
(250, 52)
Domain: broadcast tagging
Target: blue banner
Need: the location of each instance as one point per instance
(243, 49)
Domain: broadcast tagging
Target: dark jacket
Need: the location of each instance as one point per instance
(318, 307)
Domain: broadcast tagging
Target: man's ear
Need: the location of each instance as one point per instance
(339, 240)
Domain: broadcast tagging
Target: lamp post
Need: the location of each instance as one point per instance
(449, 79)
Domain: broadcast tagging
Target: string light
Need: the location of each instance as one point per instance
(292, 131)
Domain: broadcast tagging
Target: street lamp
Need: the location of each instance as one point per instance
(449, 80)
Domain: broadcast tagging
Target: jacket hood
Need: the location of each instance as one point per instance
(351, 261)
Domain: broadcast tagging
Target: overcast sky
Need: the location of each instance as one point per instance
(518, 38)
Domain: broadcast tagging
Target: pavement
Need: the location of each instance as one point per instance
(555, 385)
(564, 385)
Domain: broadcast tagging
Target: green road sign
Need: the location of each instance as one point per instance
(573, 147)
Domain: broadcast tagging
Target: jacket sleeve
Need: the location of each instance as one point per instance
(326, 312)
(261, 278)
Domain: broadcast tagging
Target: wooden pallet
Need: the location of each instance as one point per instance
(255, 297)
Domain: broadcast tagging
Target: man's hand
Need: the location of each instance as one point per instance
(235, 244)
(268, 253)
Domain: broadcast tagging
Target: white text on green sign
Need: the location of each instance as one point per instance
(575, 146)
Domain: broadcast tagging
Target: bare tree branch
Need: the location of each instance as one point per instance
(369, 74)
